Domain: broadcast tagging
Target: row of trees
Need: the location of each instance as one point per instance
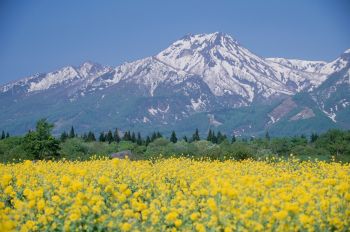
(41, 144)
(135, 137)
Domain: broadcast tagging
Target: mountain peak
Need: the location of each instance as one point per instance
(208, 39)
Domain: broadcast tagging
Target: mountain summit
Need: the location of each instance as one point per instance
(203, 76)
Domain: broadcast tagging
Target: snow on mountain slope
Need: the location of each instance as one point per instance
(85, 73)
(338, 64)
(301, 65)
(149, 72)
(229, 68)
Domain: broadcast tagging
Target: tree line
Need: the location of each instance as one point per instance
(41, 144)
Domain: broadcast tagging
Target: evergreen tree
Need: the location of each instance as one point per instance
(148, 140)
(154, 136)
(133, 137)
(139, 139)
(102, 137)
(63, 137)
(159, 135)
(267, 136)
(91, 137)
(185, 139)
(3, 136)
(220, 137)
(214, 138)
(210, 136)
(233, 138)
(116, 136)
(109, 137)
(84, 137)
(7, 135)
(173, 137)
(71, 133)
(313, 137)
(126, 136)
(195, 136)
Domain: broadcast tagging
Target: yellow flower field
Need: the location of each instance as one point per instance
(175, 194)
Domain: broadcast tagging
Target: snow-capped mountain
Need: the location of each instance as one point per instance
(196, 75)
(301, 65)
(82, 75)
(230, 69)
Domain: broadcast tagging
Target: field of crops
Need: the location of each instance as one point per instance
(175, 194)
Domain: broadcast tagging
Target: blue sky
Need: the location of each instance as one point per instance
(41, 36)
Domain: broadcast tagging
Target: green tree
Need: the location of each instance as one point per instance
(313, 137)
(63, 136)
(267, 136)
(7, 135)
(102, 137)
(139, 139)
(153, 136)
(109, 137)
(133, 137)
(91, 137)
(127, 136)
(85, 137)
(195, 136)
(233, 138)
(40, 143)
(72, 132)
(210, 136)
(148, 140)
(185, 139)
(3, 136)
(116, 135)
(173, 137)
(220, 137)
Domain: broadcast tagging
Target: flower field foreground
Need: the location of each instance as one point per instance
(175, 194)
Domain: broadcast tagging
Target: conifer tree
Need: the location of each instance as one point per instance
(91, 137)
(84, 137)
(148, 140)
(126, 136)
(71, 133)
(139, 139)
(214, 138)
(116, 136)
(185, 139)
(109, 137)
(154, 136)
(267, 136)
(210, 136)
(3, 135)
(233, 138)
(63, 137)
(173, 137)
(7, 135)
(313, 137)
(133, 137)
(195, 136)
(159, 135)
(220, 137)
(102, 137)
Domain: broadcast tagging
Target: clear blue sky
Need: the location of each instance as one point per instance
(40, 36)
